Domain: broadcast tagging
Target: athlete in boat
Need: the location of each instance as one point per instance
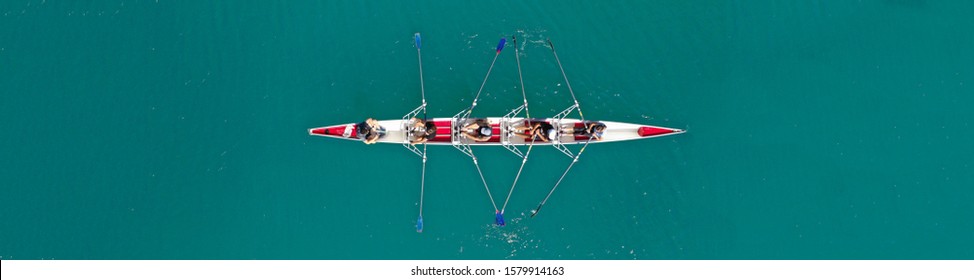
(478, 130)
(539, 130)
(417, 125)
(421, 131)
(593, 130)
(370, 130)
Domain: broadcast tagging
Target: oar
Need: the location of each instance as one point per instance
(500, 46)
(535, 212)
(459, 120)
(524, 95)
(422, 190)
(422, 88)
(524, 160)
(569, 84)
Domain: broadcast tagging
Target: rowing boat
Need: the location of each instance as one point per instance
(510, 131)
(448, 132)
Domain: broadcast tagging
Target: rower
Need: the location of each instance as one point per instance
(594, 130)
(422, 132)
(370, 131)
(543, 131)
(416, 125)
(478, 130)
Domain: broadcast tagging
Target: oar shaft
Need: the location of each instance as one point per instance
(422, 86)
(518, 176)
(559, 181)
(477, 97)
(482, 179)
(524, 95)
(500, 46)
(422, 182)
(569, 84)
(422, 192)
(562, 177)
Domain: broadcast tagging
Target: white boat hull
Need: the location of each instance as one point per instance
(395, 132)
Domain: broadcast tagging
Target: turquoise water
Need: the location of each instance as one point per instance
(177, 130)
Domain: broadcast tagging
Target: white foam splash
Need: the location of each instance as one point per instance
(512, 238)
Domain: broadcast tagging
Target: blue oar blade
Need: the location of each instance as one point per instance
(419, 224)
(499, 218)
(500, 46)
(419, 43)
